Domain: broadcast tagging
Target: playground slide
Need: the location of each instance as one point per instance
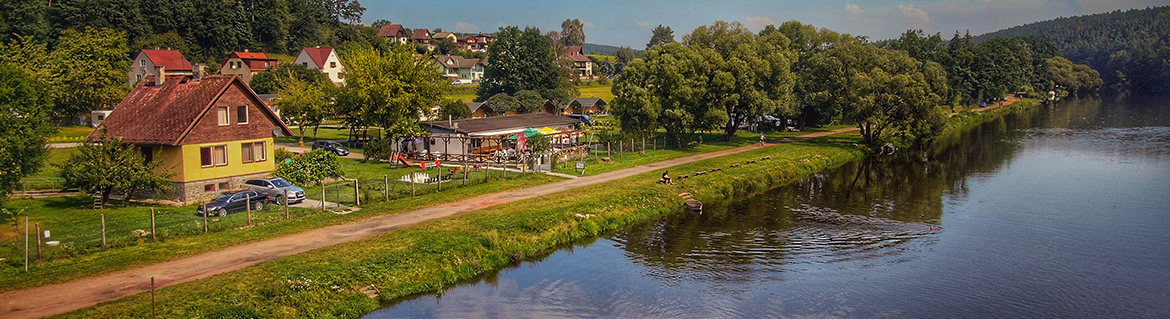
(423, 165)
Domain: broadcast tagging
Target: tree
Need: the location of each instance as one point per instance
(269, 81)
(310, 167)
(624, 55)
(454, 109)
(305, 103)
(24, 124)
(1071, 77)
(113, 165)
(664, 90)
(390, 89)
(528, 101)
(661, 35)
(446, 46)
(502, 103)
(751, 75)
(572, 33)
(90, 70)
(523, 60)
(30, 55)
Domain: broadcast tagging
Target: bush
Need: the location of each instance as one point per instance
(282, 154)
(309, 167)
(378, 150)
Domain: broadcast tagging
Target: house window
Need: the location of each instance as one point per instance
(141, 62)
(147, 153)
(209, 188)
(242, 114)
(265, 64)
(233, 64)
(253, 152)
(224, 185)
(332, 65)
(219, 154)
(224, 116)
(306, 64)
(139, 77)
(205, 157)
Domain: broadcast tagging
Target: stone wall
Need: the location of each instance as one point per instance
(193, 192)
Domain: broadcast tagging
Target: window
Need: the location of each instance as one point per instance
(332, 65)
(141, 62)
(242, 114)
(266, 64)
(306, 64)
(220, 155)
(209, 188)
(147, 153)
(205, 157)
(224, 116)
(224, 185)
(139, 77)
(232, 64)
(253, 152)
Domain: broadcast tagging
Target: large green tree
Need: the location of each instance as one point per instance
(90, 70)
(572, 33)
(305, 103)
(269, 81)
(388, 89)
(24, 124)
(664, 89)
(752, 75)
(113, 165)
(523, 60)
(454, 109)
(660, 35)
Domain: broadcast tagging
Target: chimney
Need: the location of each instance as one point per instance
(317, 47)
(198, 71)
(245, 50)
(160, 76)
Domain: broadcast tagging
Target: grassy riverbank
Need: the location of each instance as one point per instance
(427, 257)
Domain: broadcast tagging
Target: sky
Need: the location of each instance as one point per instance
(628, 22)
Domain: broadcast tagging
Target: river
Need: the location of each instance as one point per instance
(1055, 212)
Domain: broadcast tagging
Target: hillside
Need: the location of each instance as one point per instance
(1128, 47)
(591, 48)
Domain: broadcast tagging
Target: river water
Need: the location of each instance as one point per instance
(1056, 212)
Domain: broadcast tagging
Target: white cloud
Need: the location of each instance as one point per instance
(854, 10)
(758, 23)
(464, 27)
(910, 12)
(587, 24)
(644, 24)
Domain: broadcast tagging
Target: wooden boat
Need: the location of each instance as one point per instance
(694, 205)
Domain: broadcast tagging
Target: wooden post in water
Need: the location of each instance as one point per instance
(152, 234)
(103, 230)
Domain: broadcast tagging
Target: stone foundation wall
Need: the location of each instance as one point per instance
(194, 191)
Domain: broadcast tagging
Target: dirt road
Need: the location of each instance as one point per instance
(65, 297)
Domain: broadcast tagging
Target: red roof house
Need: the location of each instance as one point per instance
(154, 62)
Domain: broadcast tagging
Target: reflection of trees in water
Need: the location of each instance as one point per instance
(731, 243)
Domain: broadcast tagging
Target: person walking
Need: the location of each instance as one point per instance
(762, 138)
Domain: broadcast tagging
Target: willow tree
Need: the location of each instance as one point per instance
(664, 90)
(389, 89)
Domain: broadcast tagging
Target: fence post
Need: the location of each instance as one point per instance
(205, 212)
(152, 234)
(248, 202)
(103, 230)
(464, 173)
(439, 176)
(608, 145)
(285, 203)
(357, 198)
(26, 243)
(323, 199)
(386, 184)
(643, 144)
(621, 148)
(38, 232)
(412, 194)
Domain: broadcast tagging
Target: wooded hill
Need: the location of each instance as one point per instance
(1129, 48)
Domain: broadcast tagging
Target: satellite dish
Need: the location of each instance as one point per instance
(277, 132)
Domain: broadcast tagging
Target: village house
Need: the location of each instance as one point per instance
(324, 59)
(423, 36)
(582, 65)
(212, 133)
(444, 35)
(581, 105)
(394, 32)
(479, 110)
(468, 42)
(484, 40)
(460, 70)
(478, 136)
(246, 64)
(155, 62)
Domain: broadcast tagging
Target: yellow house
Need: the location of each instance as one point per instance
(212, 133)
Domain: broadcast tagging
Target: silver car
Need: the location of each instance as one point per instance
(276, 188)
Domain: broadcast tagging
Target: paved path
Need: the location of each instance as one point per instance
(65, 297)
(63, 145)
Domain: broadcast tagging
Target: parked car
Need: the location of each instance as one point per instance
(332, 147)
(276, 188)
(233, 202)
(584, 118)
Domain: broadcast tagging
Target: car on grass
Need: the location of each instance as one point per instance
(332, 147)
(233, 202)
(276, 188)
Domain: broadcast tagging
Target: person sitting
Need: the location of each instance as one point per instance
(666, 178)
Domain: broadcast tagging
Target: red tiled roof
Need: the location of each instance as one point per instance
(579, 58)
(570, 50)
(319, 55)
(163, 115)
(421, 34)
(391, 30)
(250, 55)
(172, 60)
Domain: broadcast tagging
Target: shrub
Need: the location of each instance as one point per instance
(310, 167)
(282, 154)
(378, 150)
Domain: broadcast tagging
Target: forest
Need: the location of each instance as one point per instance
(1130, 48)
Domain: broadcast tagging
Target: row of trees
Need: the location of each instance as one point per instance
(724, 77)
(85, 71)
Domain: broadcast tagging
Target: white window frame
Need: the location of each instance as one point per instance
(224, 115)
(246, 114)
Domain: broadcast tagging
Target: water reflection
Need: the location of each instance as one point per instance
(1058, 211)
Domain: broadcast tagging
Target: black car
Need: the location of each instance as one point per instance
(332, 147)
(234, 202)
(584, 119)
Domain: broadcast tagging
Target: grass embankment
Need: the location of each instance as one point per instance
(593, 89)
(430, 256)
(970, 117)
(71, 219)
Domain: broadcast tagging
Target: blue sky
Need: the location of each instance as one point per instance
(628, 22)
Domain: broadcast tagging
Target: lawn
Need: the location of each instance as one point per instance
(374, 178)
(599, 91)
(71, 134)
(46, 178)
(325, 132)
(465, 93)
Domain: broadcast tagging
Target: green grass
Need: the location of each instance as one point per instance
(56, 156)
(70, 134)
(325, 132)
(373, 176)
(433, 255)
(465, 93)
(598, 91)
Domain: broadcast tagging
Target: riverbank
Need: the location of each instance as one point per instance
(340, 280)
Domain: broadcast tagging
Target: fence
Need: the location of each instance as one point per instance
(433, 180)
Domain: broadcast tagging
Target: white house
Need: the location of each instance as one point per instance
(324, 59)
(457, 68)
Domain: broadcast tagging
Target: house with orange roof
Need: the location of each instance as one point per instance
(212, 133)
(582, 65)
(158, 62)
(423, 36)
(324, 59)
(394, 32)
(246, 64)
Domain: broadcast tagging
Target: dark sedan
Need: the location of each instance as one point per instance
(332, 147)
(234, 202)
